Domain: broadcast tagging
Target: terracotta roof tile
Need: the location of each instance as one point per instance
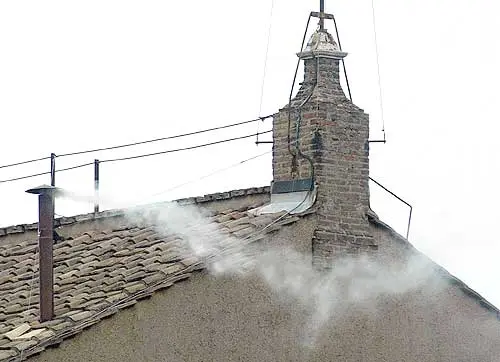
(99, 272)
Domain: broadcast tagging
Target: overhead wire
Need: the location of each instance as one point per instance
(266, 57)
(199, 146)
(164, 138)
(45, 173)
(24, 177)
(265, 66)
(212, 174)
(261, 118)
(208, 175)
(378, 68)
(74, 167)
(299, 152)
(222, 250)
(248, 239)
(136, 156)
(25, 162)
(293, 85)
(183, 148)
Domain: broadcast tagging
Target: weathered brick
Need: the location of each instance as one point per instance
(334, 133)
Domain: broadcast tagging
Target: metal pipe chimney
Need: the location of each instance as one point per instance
(46, 195)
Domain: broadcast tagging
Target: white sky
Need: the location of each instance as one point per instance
(79, 75)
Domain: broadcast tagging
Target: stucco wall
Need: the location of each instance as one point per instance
(224, 318)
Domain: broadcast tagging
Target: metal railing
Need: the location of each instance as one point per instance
(97, 164)
(400, 199)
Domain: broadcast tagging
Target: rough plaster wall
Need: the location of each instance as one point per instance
(437, 322)
(231, 319)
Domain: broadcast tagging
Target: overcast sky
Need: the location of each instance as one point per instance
(80, 75)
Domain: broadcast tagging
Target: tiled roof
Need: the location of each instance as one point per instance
(102, 271)
(199, 200)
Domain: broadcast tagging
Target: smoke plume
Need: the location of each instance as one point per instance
(358, 281)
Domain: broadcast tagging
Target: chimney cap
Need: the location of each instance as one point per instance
(44, 189)
(322, 44)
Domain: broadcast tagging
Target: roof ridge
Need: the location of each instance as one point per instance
(68, 220)
(142, 261)
(464, 287)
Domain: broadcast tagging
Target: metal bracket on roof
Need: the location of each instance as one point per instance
(294, 197)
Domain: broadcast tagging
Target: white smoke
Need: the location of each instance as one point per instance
(358, 282)
(351, 281)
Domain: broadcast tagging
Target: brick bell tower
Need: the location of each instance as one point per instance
(321, 135)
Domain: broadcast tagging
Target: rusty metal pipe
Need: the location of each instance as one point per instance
(46, 258)
(46, 195)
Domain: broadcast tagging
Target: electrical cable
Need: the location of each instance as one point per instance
(136, 143)
(25, 162)
(24, 177)
(265, 67)
(400, 199)
(209, 174)
(134, 157)
(155, 284)
(206, 175)
(299, 121)
(299, 152)
(183, 149)
(45, 173)
(74, 167)
(378, 69)
(281, 217)
(266, 56)
(248, 237)
(165, 138)
(293, 85)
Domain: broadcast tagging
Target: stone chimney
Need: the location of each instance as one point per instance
(323, 135)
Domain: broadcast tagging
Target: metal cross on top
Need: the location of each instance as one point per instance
(321, 14)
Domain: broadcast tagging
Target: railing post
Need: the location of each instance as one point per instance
(96, 186)
(400, 199)
(52, 169)
(409, 222)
